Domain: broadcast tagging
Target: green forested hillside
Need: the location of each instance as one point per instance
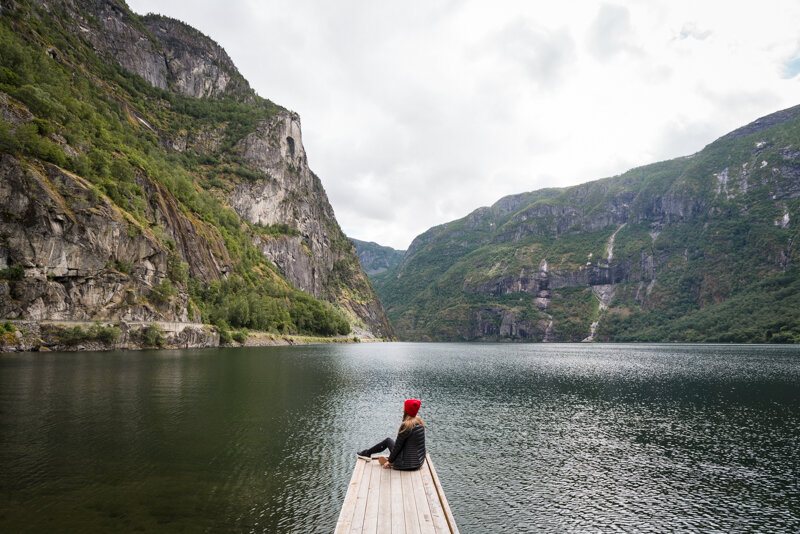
(700, 248)
(89, 146)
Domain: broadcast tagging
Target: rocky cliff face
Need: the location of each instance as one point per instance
(196, 66)
(83, 258)
(316, 257)
(114, 32)
(648, 255)
(148, 198)
(167, 53)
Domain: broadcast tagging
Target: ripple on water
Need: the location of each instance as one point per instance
(526, 438)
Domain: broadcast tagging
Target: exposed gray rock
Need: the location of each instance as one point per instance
(112, 30)
(290, 194)
(71, 241)
(375, 258)
(75, 256)
(50, 336)
(201, 142)
(294, 260)
(167, 53)
(13, 111)
(197, 66)
(500, 324)
(321, 260)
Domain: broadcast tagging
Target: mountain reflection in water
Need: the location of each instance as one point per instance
(526, 438)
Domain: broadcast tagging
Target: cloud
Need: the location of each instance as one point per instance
(611, 32)
(542, 54)
(684, 136)
(690, 29)
(417, 114)
(791, 67)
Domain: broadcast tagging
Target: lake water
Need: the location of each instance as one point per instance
(526, 438)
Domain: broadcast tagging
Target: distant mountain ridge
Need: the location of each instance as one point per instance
(376, 258)
(699, 248)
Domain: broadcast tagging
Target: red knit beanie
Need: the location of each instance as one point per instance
(411, 407)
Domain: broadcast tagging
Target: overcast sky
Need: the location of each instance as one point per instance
(415, 113)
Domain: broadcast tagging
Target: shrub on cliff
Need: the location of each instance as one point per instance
(178, 270)
(225, 336)
(77, 334)
(7, 328)
(73, 335)
(163, 292)
(17, 272)
(152, 335)
(108, 335)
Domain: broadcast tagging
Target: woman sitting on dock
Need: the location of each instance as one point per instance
(407, 452)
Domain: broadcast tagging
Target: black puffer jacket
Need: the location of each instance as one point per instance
(409, 449)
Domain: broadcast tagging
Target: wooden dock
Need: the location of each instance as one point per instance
(386, 501)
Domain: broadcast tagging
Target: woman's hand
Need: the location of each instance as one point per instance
(387, 465)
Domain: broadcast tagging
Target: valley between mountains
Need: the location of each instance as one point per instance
(150, 197)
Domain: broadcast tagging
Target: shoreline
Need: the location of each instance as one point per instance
(266, 339)
(79, 336)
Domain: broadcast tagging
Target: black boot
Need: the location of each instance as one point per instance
(388, 443)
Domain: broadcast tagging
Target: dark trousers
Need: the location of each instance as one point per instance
(388, 443)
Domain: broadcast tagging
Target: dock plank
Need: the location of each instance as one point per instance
(409, 504)
(387, 501)
(437, 512)
(371, 512)
(398, 519)
(361, 499)
(423, 506)
(348, 508)
(385, 506)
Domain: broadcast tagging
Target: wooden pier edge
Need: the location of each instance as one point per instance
(451, 522)
(349, 505)
(395, 502)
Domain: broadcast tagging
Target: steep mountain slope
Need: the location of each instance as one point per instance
(376, 258)
(141, 178)
(693, 249)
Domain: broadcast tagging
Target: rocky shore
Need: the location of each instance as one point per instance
(75, 336)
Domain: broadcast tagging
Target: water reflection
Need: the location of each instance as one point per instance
(527, 438)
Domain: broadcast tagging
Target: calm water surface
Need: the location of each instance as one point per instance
(526, 438)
